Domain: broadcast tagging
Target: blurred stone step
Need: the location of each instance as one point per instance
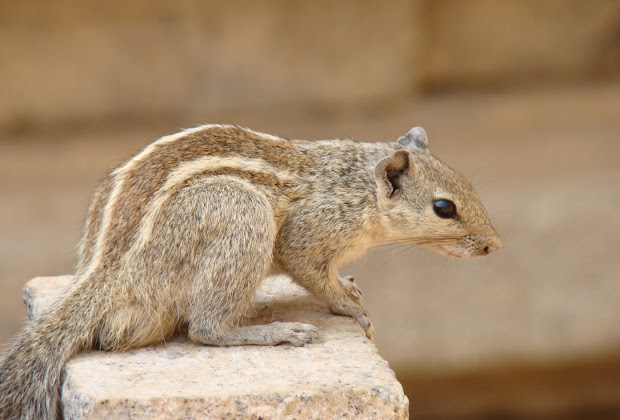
(340, 376)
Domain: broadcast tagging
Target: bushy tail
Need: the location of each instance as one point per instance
(30, 372)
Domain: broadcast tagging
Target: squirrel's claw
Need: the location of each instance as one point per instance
(369, 330)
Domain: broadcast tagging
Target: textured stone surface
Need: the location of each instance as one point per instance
(41, 292)
(340, 376)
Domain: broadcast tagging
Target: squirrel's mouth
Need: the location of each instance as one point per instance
(456, 251)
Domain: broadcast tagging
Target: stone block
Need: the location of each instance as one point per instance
(340, 376)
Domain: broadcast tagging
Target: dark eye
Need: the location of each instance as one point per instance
(444, 209)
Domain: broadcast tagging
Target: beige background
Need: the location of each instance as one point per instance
(523, 97)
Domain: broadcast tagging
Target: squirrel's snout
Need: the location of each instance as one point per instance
(494, 244)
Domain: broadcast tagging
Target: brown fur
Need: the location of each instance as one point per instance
(184, 233)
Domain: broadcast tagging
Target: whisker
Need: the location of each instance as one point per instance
(388, 248)
(403, 250)
(411, 241)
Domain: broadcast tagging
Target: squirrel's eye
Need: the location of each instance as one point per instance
(444, 209)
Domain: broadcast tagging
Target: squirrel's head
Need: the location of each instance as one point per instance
(424, 202)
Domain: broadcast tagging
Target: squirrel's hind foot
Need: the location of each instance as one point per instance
(271, 334)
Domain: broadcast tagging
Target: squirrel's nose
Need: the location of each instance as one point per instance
(494, 244)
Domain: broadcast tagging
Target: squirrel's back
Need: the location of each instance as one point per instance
(126, 203)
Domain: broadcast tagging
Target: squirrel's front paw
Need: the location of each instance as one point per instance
(357, 312)
(369, 330)
(351, 289)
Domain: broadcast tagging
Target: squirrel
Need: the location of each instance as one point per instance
(183, 233)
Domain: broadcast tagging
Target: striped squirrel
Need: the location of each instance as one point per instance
(183, 233)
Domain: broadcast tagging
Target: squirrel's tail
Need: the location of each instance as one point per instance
(30, 372)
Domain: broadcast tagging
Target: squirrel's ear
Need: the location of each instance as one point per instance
(415, 138)
(390, 172)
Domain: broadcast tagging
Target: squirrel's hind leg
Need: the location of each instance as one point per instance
(237, 231)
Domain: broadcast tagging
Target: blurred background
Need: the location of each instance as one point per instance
(521, 96)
